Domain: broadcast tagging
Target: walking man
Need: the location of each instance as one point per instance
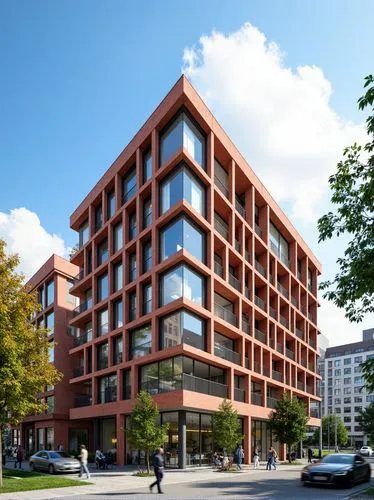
(310, 455)
(239, 455)
(158, 466)
(84, 461)
(20, 455)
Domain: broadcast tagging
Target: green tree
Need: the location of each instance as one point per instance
(328, 429)
(145, 432)
(352, 186)
(226, 427)
(367, 421)
(24, 349)
(288, 421)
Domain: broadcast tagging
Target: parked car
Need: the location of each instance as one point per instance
(53, 461)
(343, 469)
(366, 451)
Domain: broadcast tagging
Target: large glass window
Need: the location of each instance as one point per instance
(102, 322)
(127, 384)
(147, 165)
(117, 350)
(182, 233)
(147, 213)
(107, 389)
(50, 293)
(50, 404)
(98, 217)
(182, 327)
(102, 356)
(51, 353)
(147, 298)
(129, 185)
(102, 252)
(182, 282)
(117, 277)
(102, 287)
(117, 237)
(41, 297)
(132, 267)
(182, 134)
(182, 185)
(140, 342)
(111, 204)
(132, 226)
(221, 178)
(132, 306)
(117, 314)
(50, 323)
(84, 234)
(147, 256)
(279, 245)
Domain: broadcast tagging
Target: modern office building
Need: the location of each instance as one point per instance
(344, 393)
(193, 286)
(52, 283)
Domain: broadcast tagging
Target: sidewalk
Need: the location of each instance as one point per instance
(122, 479)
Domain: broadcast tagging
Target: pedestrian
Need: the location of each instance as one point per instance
(60, 447)
(270, 459)
(275, 458)
(239, 455)
(256, 458)
(310, 455)
(84, 461)
(336, 449)
(20, 455)
(158, 467)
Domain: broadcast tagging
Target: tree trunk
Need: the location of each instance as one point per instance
(289, 453)
(1, 456)
(147, 461)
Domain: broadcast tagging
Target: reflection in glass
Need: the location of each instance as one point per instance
(141, 342)
(182, 185)
(182, 282)
(182, 327)
(182, 234)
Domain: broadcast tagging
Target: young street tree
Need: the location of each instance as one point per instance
(226, 427)
(328, 431)
(145, 432)
(24, 360)
(367, 421)
(288, 421)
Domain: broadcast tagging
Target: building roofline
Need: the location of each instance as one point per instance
(56, 264)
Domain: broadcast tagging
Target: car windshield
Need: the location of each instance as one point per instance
(337, 459)
(60, 454)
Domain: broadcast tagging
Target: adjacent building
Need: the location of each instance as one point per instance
(193, 285)
(344, 393)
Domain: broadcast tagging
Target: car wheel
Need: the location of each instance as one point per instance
(51, 469)
(367, 477)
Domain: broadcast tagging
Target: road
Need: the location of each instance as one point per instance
(280, 484)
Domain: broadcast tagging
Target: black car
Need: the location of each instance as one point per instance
(339, 469)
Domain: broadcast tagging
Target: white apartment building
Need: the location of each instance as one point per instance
(342, 389)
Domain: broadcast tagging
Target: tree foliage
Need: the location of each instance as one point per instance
(288, 421)
(367, 421)
(328, 428)
(352, 189)
(226, 427)
(24, 361)
(145, 432)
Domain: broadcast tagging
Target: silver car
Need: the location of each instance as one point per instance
(53, 461)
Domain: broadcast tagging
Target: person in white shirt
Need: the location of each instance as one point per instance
(84, 461)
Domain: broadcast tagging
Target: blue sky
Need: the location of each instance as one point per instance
(79, 78)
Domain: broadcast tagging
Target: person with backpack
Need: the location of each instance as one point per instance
(158, 466)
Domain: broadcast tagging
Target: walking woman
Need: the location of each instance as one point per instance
(256, 458)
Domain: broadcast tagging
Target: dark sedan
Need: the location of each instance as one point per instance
(340, 469)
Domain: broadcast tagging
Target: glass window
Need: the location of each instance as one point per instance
(88, 331)
(182, 133)
(84, 234)
(147, 213)
(117, 350)
(102, 322)
(107, 389)
(147, 298)
(358, 380)
(182, 328)
(111, 204)
(51, 353)
(358, 359)
(102, 287)
(50, 404)
(50, 293)
(140, 342)
(87, 303)
(117, 314)
(310, 279)
(98, 217)
(132, 306)
(147, 256)
(117, 277)
(279, 245)
(338, 373)
(182, 282)
(347, 380)
(132, 226)
(337, 362)
(147, 165)
(71, 299)
(221, 178)
(132, 267)
(102, 252)
(180, 185)
(127, 384)
(41, 297)
(129, 185)
(102, 356)
(347, 361)
(347, 371)
(182, 233)
(50, 323)
(117, 237)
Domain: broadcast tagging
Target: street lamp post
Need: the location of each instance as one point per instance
(320, 430)
(336, 432)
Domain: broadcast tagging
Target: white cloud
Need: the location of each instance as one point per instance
(280, 119)
(23, 233)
